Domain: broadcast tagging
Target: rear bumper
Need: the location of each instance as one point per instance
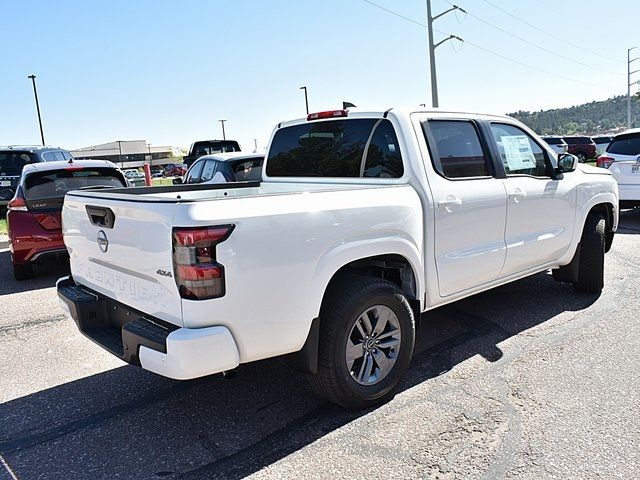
(136, 338)
(629, 191)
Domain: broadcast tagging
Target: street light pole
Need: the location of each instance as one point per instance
(432, 48)
(629, 82)
(306, 98)
(35, 93)
(224, 137)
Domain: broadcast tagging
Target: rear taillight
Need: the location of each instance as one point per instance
(198, 275)
(604, 162)
(17, 204)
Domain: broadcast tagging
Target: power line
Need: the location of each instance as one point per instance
(513, 60)
(535, 44)
(395, 13)
(552, 35)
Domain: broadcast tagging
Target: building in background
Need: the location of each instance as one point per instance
(128, 153)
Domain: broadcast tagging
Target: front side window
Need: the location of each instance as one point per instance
(208, 171)
(627, 145)
(336, 149)
(459, 151)
(520, 155)
(193, 175)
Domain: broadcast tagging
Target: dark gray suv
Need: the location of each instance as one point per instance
(14, 157)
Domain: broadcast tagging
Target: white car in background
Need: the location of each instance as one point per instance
(557, 144)
(624, 147)
(623, 160)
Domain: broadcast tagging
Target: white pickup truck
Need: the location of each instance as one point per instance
(363, 221)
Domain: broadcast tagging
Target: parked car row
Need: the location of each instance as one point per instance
(581, 146)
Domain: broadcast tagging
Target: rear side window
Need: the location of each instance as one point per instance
(519, 153)
(11, 163)
(459, 151)
(55, 184)
(336, 149)
(248, 170)
(627, 145)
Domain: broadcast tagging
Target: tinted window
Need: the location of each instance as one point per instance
(554, 141)
(383, 155)
(601, 140)
(49, 156)
(210, 148)
(519, 153)
(55, 184)
(626, 145)
(66, 155)
(248, 170)
(208, 171)
(11, 163)
(193, 175)
(336, 148)
(460, 153)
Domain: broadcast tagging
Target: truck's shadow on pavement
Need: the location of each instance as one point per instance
(134, 424)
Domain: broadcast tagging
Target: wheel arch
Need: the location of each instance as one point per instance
(395, 267)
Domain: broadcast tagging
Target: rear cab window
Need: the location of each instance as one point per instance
(625, 145)
(56, 183)
(349, 148)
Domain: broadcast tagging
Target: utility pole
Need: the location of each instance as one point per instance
(629, 82)
(224, 136)
(306, 98)
(120, 153)
(35, 93)
(432, 48)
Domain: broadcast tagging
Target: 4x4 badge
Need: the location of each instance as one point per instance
(164, 273)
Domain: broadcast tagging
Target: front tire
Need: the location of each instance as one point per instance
(367, 334)
(592, 249)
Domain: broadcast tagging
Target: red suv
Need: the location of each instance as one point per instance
(34, 213)
(582, 147)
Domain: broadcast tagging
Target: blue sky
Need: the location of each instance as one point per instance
(166, 71)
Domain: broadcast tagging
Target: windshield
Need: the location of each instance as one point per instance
(55, 184)
(628, 145)
(11, 163)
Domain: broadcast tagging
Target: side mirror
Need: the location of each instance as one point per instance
(567, 163)
(177, 181)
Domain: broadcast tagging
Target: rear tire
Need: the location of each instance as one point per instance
(23, 272)
(367, 334)
(592, 249)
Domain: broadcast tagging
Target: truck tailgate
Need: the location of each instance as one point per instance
(123, 249)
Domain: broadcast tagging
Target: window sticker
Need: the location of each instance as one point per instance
(518, 153)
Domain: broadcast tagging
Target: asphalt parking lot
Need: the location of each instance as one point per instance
(531, 380)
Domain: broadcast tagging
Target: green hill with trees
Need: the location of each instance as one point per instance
(587, 119)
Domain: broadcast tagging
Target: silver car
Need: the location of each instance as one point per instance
(557, 144)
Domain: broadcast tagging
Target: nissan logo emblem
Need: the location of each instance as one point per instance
(103, 242)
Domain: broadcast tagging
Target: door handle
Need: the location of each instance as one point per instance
(518, 194)
(450, 202)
